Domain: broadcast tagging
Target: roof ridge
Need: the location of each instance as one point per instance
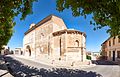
(41, 22)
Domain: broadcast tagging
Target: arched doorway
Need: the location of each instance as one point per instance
(113, 55)
(29, 50)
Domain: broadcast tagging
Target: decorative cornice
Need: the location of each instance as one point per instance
(68, 32)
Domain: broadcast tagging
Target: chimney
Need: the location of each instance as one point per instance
(33, 24)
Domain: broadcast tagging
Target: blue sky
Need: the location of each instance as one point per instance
(43, 8)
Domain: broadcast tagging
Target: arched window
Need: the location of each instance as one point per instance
(77, 43)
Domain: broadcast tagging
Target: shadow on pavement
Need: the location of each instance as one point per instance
(104, 62)
(17, 69)
(2, 63)
(3, 67)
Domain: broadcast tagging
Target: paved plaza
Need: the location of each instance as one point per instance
(3, 68)
(29, 68)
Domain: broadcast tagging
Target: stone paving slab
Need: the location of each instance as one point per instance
(3, 68)
(4, 73)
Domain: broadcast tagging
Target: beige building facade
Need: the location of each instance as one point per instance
(111, 48)
(50, 37)
(18, 51)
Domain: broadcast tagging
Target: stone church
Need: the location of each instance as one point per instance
(51, 38)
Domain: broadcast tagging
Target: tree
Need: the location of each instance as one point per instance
(8, 10)
(105, 12)
(88, 57)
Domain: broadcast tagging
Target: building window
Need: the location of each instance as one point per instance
(77, 43)
(109, 53)
(118, 54)
(42, 34)
(113, 41)
(109, 43)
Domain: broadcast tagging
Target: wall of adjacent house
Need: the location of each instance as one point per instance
(114, 47)
(112, 44)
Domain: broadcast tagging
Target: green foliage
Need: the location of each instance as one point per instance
(88, 57)
(105, 12)
(8, 10)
